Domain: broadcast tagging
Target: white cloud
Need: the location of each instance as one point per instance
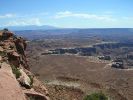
(22, 19)
(128, 18)
(33, 15)
(7, 16)
(83, 15)
(23, 22)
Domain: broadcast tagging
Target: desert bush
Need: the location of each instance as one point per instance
(96, 96)
(16, 71)
(31, 80)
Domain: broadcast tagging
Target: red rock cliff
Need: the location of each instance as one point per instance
(16, 80)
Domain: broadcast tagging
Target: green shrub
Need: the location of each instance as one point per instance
(96, 96)
(31, 79)
(16, 71)
(2, 53)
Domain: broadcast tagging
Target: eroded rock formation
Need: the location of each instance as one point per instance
(16, 80)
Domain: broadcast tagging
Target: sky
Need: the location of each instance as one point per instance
(67, 13)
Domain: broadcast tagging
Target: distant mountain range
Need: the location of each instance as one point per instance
(29, 27)
(46, 31)
(125, 34)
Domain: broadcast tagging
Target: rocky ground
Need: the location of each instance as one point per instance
(67, 77)
(16, 80)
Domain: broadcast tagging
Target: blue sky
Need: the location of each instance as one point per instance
(67, 13)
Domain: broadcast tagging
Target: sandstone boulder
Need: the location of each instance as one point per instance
(35, 95)
(24, 79)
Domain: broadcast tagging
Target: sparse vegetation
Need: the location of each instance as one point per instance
(94, 71)
(16, 71)
(31, 80)
(2, 53)
(96, 96)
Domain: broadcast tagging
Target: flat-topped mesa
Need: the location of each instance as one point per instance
(12, 53)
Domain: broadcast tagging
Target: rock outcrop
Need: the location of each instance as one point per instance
(16, 80)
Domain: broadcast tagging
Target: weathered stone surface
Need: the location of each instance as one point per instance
(36, 95)
(13, 60)
(24, 79)
(9, 87)
(15, 54)
(39, 86)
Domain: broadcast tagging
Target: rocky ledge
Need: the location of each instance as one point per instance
(16, 80)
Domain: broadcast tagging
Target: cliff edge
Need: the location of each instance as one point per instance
(16, 80)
